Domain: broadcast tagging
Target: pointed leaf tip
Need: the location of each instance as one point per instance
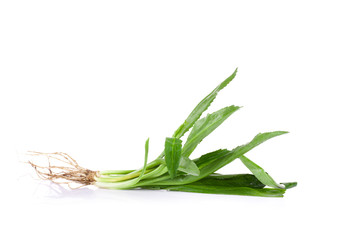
(202, 107)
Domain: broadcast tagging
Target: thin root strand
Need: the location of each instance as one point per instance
(63, 169)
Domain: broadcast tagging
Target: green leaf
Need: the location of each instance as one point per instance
(289, 184)
(245, 191)
(210, 157)
(231, 180)
(172, 155)
(213, 165)
(201, 107)
(205, 126)
(188, 166)
(260, 138)
(260, 173)
(215, 161)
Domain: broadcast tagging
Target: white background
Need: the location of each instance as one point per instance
(96, 78)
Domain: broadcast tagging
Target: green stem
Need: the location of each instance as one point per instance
(115, 172)
(152, 164)
(132, 183)
(160, 170)
(120, 178)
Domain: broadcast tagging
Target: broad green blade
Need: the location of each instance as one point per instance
(209, 157)
(172, 155)
(205, 126)
(231, 180)
(201, 107)
(260, 173)
(188, 166)
(217, 160)
(245, 191)
(223, 153)
(215, 165)
(258, 139)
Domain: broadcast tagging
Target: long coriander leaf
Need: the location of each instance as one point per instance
(231, 180)
(289, 184)
(201, 107)
(205, 126)
(209, 157)
(172, 155)
(263, 176)
(213, 164)
(260, 173)
(228, 180)
(188, 166)
(245, 191)
(238, 151)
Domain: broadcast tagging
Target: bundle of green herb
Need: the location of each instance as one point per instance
(174, 170)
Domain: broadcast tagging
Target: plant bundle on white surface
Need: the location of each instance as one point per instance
(174, 169)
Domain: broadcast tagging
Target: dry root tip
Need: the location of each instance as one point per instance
(62, 169)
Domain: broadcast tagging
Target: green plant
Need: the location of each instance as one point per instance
(174, 170)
